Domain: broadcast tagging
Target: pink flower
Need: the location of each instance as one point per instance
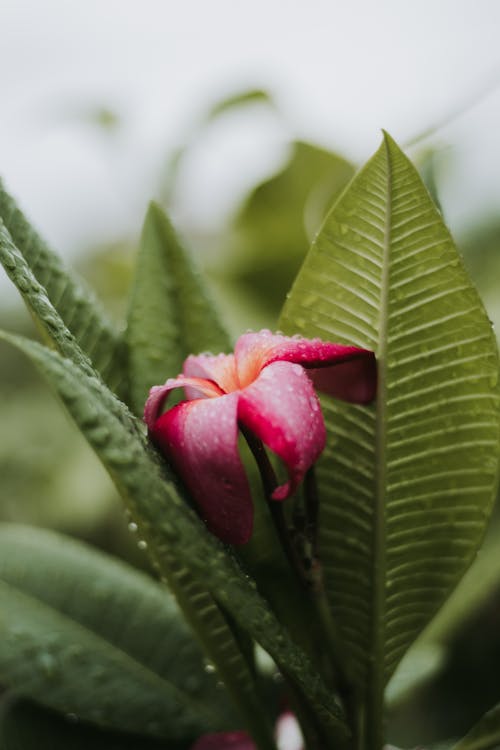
(263, 386)
(288, 737)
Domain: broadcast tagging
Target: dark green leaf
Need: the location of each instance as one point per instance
(170, 313)
(25, 726)
(485, 735)
(88, 635)
(74, 302)
(407, 484)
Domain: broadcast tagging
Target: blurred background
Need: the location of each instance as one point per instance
(244, 120)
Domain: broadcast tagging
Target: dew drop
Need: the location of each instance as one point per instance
(132, 527)
(142, 544)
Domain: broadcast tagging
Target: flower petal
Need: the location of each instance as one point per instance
(201, 440)
(349, 372)
(220, 368)
(282, 409)
(158, 394)
(353, 380)
(224, 741)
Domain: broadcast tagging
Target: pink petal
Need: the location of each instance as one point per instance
(282, 409)
(349, 372)
(201, 440)
(224, 741)
(353, 380)
(159, 393)
(220, 368)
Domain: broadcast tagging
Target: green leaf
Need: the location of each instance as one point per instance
(220, 641)
(75, 303)
(477, 587)
(25, 726)
(417, 667)
(270, 233)
(406, 485)
(238, 100)
(171, 527)
(170, 313)
(485, 735)
(85, 634)
(35, 296)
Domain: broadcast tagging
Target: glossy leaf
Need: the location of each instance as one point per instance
(73, 300)
(171, 527)
(88, 635)
(407, 484)
(485, 735)
(170, 313)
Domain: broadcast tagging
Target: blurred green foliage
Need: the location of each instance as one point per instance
(49, 477)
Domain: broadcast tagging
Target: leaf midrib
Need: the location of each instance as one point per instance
(375, 681)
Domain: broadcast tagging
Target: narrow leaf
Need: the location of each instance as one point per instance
(35, 296)
(406, 485)
(70, 296)
(170, 313)
(485, 735)
(86, 634)
(171, 527)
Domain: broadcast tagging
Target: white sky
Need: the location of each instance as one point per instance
(340, 71)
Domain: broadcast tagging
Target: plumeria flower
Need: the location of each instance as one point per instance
(266, 386)
(288, 737)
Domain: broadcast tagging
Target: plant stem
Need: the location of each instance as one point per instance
(270, 482)
(311, 579)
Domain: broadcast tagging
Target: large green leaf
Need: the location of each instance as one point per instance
(171, 527)
(407, 484)
(485, 735)
(170, 313)
(88, 635)
(75, 303)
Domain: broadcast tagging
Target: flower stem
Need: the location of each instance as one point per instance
(308, 569)
(320, 602)
(270, 482)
